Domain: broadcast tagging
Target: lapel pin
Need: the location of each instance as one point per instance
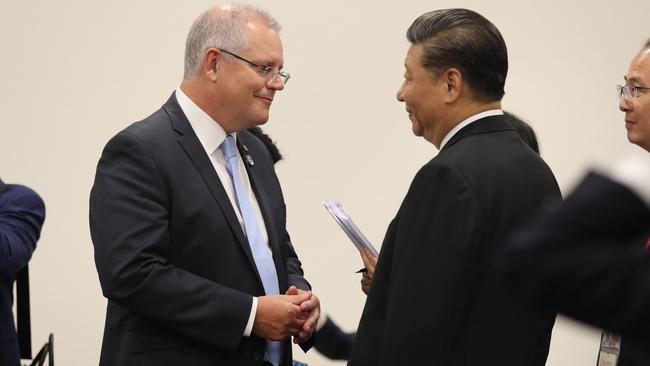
(244, 147)
(249, 160)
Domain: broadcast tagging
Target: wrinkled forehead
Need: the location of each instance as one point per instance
(640, 68)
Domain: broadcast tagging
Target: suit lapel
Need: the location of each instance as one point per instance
(261, 193)
(192, 147)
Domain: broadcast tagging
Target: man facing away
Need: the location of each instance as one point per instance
(434, 298)
(188, 219)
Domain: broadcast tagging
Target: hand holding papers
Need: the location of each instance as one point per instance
(369, 261)
(347, 225)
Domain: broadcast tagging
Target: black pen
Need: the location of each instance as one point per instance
(362, 270)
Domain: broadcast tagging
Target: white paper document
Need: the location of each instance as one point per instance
(347, 225)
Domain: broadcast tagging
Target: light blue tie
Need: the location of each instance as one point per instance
(259, 247)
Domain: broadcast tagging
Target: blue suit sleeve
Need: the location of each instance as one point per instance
(22, 213)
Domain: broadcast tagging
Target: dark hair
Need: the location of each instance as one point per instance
(647, 43)
(524, 131)
(465, 40)
(266, 139)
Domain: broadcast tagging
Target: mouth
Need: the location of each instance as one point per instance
(269, 100)
(629, 123)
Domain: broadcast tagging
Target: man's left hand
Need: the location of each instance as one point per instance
(311, 307)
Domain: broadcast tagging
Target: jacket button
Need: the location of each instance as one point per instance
(257, 356)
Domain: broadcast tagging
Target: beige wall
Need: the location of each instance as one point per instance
(75, 72)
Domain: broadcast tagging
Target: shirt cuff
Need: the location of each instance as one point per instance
(251, 318)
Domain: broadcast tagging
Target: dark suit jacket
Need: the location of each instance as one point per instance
(332, 342)
(434, 299)
(171, 256)
(587, 260)
(21, 217)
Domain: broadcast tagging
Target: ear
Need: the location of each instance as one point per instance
(210, 64)
(453, 82)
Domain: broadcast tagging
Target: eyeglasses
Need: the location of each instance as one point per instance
(629, 91)
(265, 71)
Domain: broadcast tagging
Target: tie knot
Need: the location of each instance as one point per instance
(228, 147)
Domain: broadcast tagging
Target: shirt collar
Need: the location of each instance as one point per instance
(209, 132)
(467, 121)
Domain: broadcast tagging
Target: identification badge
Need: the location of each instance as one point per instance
(610, 348)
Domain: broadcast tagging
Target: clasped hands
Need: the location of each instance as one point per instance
(293, 314)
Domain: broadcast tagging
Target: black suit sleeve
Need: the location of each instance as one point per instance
(430, 246)
(22, 213)
(295, 272)
(129, 223)
(587, 259)
(441, 224)
(333, 342)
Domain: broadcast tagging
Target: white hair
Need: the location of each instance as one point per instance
(219, 31)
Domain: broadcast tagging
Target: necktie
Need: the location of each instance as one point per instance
(259, 247)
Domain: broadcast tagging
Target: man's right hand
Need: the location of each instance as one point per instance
(279, 316)
(369, 261)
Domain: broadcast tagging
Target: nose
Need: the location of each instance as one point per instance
(623, 104)
(276, 82)
(400, 96)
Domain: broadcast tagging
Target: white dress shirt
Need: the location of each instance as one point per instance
(211, 135)
(467, 121)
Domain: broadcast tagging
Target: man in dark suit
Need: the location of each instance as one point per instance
(434, 299)
(589, 258)
(188, 219)
(22, 213)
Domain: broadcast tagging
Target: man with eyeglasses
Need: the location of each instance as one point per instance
(188, 219)
(589, 259)
(634, 100)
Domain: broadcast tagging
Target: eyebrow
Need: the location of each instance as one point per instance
(280, 67)
(633, 79)
(267, 60)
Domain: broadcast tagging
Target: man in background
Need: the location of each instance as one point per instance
(188, 219)
(22, 213)
(434, 297)
(589, 259)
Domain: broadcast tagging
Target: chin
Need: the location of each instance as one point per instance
(417, 130)
(260, 119)
(254, 122)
